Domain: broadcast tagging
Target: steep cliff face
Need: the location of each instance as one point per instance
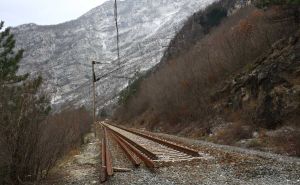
(268, 91)
(262, 103)
(63, 53)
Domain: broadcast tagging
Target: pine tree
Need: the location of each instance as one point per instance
(9, 58)
(265, 3)
(23, 107)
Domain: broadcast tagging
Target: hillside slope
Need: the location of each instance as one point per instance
(228, 85)
(63, 53)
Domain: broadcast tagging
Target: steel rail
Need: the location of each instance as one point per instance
(148, 153)
(148, 162)
(103, 174)
(106, 159)
(135, 161)
(170, 144)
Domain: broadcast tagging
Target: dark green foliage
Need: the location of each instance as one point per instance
(212, 18)
(196, 27)
(9, 59)
(103, 113)
(131, 89)
(265, 3)
(23, 107)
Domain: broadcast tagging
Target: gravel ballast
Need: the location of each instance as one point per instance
(224, 165)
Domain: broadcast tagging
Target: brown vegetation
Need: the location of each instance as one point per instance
(39, 145)
(30, 141)
(233, 133)
(187, 89)
(180, 90)
(287, 143)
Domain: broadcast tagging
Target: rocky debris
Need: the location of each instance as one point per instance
(228, 165)
(268, 90)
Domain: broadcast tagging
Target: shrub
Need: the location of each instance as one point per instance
(30, 141)
(265, 3)
(42, 144)
(233, 133)
(130, 90)
(23, 106)
(288, 143)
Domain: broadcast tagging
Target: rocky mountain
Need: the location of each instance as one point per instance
(62, 53)
(268, 90)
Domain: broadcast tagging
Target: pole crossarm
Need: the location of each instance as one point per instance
(95, 62)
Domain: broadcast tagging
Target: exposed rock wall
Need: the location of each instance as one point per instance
(268, 91)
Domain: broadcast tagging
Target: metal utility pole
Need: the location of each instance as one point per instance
(94, 92)
(94, 87)
(117, 28)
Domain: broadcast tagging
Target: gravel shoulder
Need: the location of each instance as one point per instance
(81, 168)
(225, 165)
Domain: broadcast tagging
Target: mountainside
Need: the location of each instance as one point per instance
(63, 53)
(232, 79)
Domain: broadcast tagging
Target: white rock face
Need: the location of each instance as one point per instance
(62, 53)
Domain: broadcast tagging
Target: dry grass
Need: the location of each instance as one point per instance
(42, 144)
(233, 133)
(287, 143)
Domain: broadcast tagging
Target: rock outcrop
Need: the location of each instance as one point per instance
(268, 91)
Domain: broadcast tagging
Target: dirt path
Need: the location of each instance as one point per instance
(225, 165)
(80, 169)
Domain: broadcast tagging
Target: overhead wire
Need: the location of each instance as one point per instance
(117, 28)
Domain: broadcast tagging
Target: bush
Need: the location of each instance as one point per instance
(265, 3)
(287, 143)
(41, 145)
(233, 133)
(130, 90)
(30, 142)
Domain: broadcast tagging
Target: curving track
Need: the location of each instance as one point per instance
(161, 152)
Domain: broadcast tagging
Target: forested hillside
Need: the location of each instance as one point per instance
(231, 75)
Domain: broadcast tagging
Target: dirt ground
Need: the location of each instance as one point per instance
(222, 165)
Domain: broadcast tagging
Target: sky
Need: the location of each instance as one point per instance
(44, 12)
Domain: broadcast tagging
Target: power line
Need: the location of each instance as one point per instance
(117, 27)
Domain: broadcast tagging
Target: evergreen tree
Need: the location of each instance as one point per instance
(9, 58)
(265, 3)
(23, 106)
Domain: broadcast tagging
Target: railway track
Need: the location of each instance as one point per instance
(142, 148)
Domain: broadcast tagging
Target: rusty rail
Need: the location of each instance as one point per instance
(148, 162)
(137, 146)
(164, 142)
(135, 161)
(137, 152)
(103, 174)
(108, 157)
(107, 168)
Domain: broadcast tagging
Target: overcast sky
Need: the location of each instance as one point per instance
(16, 12)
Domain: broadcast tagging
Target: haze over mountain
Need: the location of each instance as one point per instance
(62, 53)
